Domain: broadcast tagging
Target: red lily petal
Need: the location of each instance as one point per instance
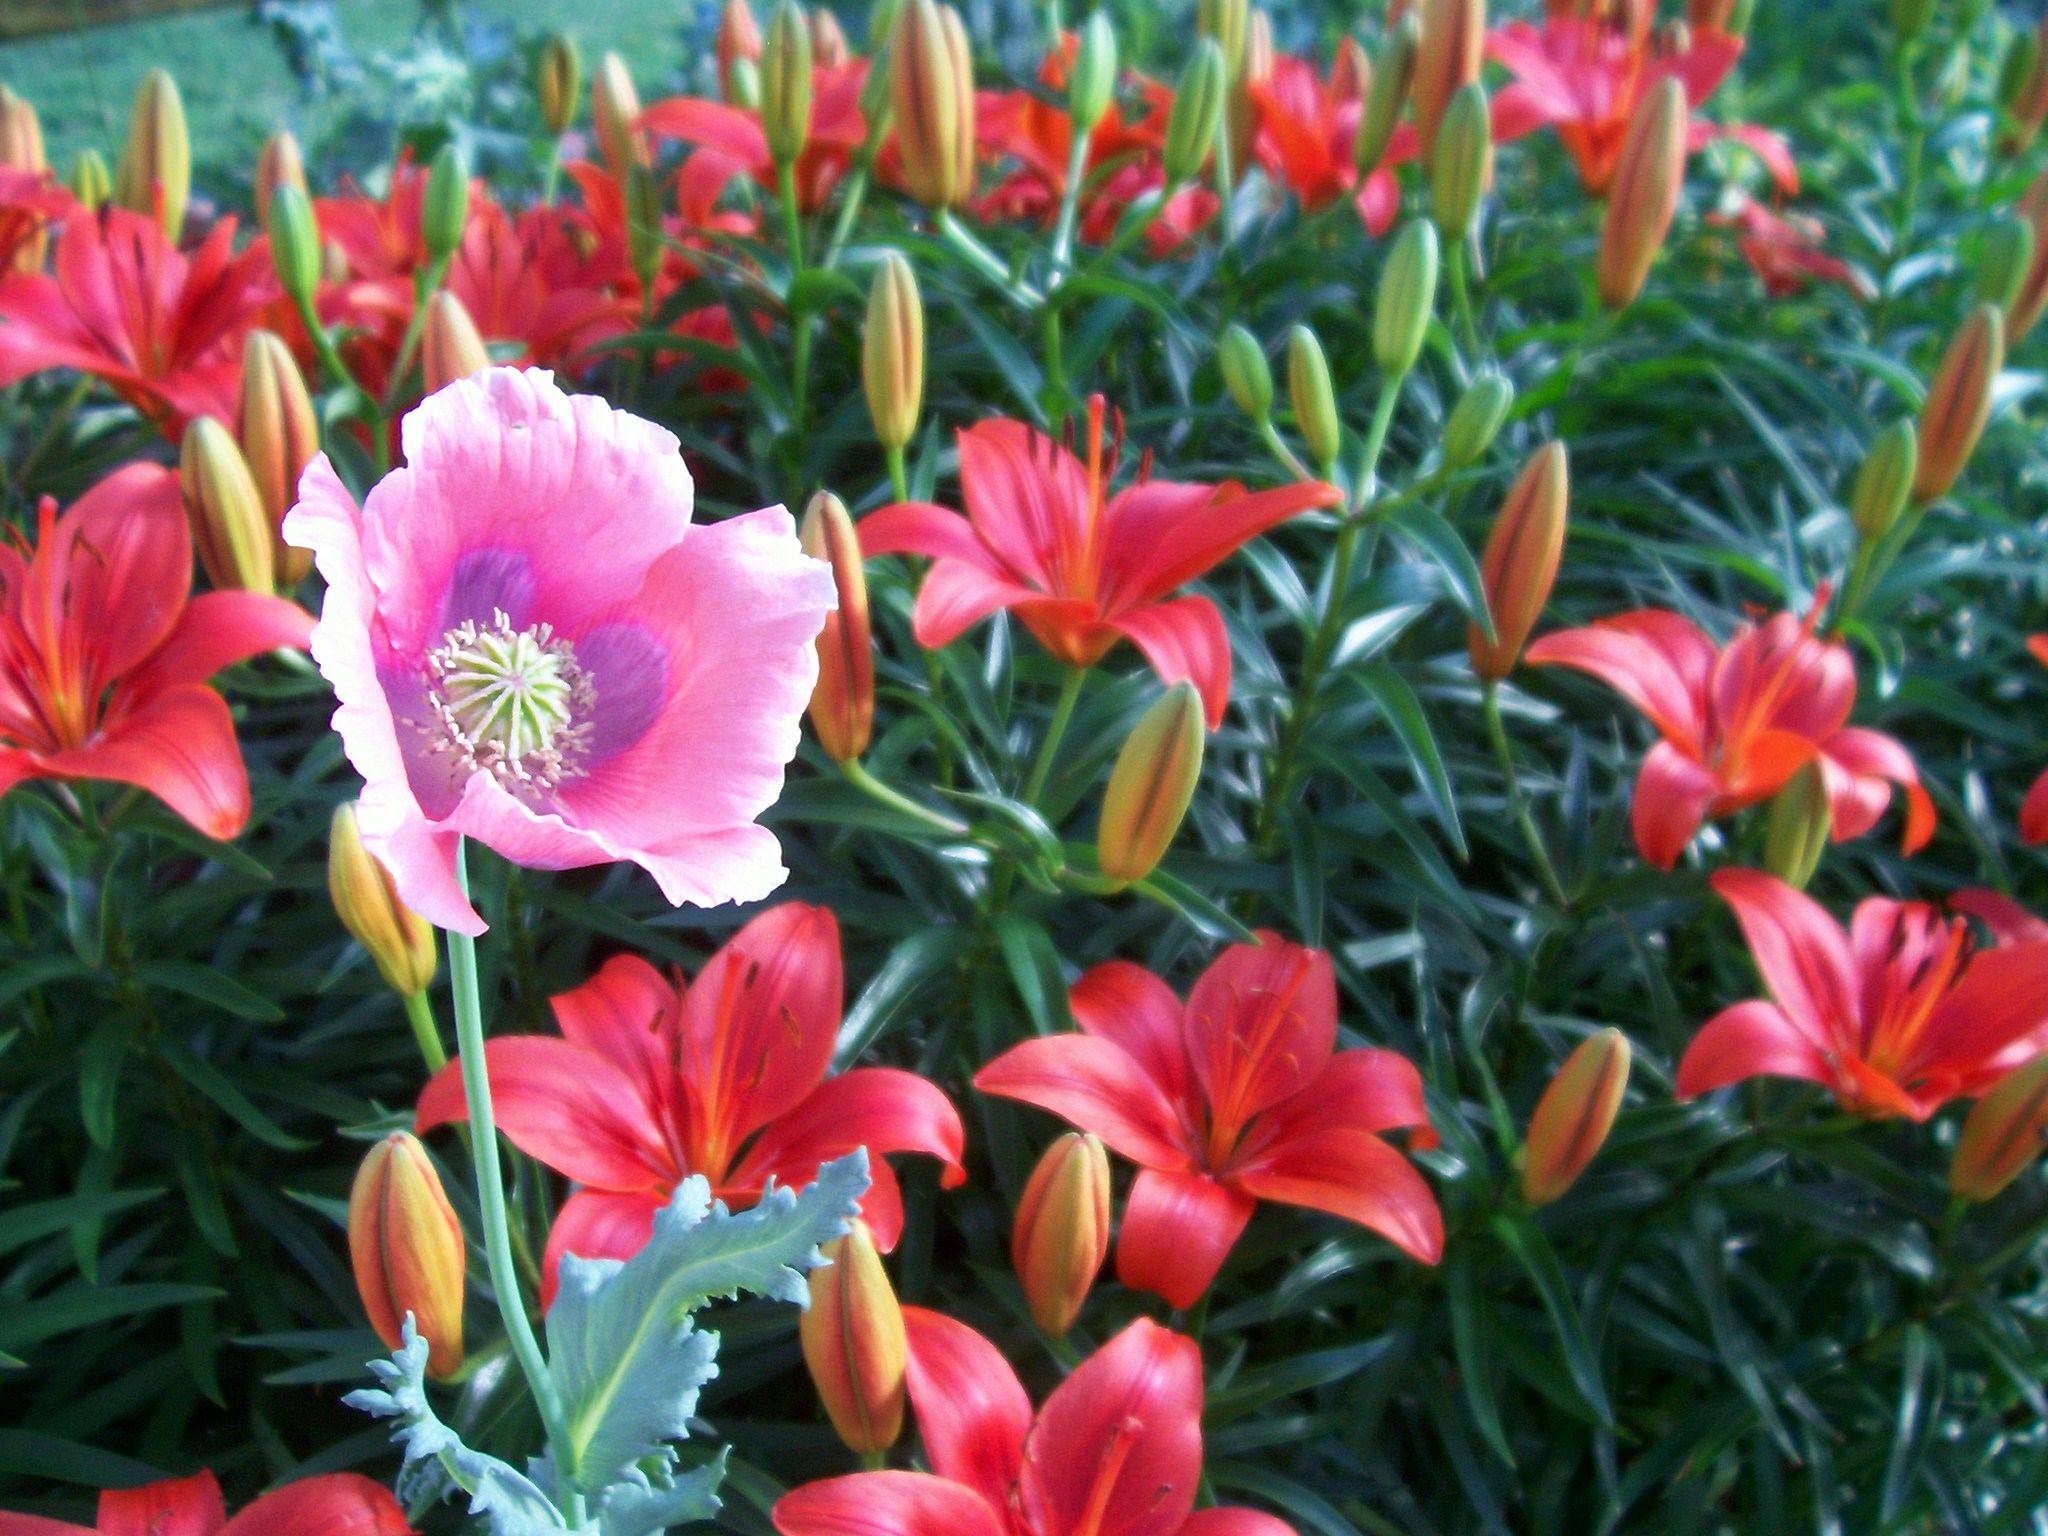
(885, 1504)
(1379, 205)
(598, 1224)
(1261, 1022)
(1171, 534)
(1868, 1091)
(1768, 147)
(1178, 1229)
(712, 124)
(2037, 647)
(36, 1525)
(628, 1013)
(338, 1504)
(1127, 1004)
(2001, 999)
(1777, 676)
(216, 630)
(1231, 1520)
(1524, 52)
(1117, 1448)
(181, 747)
(971, 1410)
(1095, 1085)
(1028, 500)
(955, 597)
(578, 1112)
(1353, 1174)
(189, 1506)
(2007, 921)
(1658, 661)
(1855, 766)
(1673, 794)
(2034, 812)
(1364, 1090)
(1185, 641)
(132, 568)
(920, 528)
(1803, 955)
(1752, 1039)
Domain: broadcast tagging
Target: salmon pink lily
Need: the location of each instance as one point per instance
(1115, 1451)
(532, 646)
(104, 661)
(1738, 721)
(338, 1504)
(653, 1081)
(729, 139)
(1895, 1017)
(1080, 567)
(1785, 250)
(1233, 1098)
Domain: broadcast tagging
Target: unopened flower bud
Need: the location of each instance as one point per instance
(154, 174)
(746, 84)
(882, 26)
(1797, 834)
(558, 81)
(892, 352)
(444, 206)
(1197, 114)
(294, 243)
(1351, 72)
(644, 234)
(1574, 1115)
(1464, 163)
(1227, 23)
(1475, 420)
(2016, 69)
(2025, 99)
(1246, 374)
(1643, 197)
(1884, 482)
(1910, 18)
(1406, 299)
(91, 182)
(2032, 297)
(786, 83)
(829, 48)
(1709, 17)
(843, 702)
(2003, 1132)
(932, 84)
(1519, 566)
(229, 528)
(1453, 44)
(1393, 80)
(1312, 399)
(2003, 262)
(397, 939)
(853, 1341)
(451, 347)
(1959, 402)
(21, 134)
(739, 38)
(1093, 80)
(614, 105)
(1061, 1234)
(1150, 786)
(406, 1247)
(1240, 102)
(280, 434)
(279, 163)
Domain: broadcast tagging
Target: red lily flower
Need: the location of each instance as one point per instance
(2034, 810)
(162, 327)
(1785, 250)
(1586, 75)
(30, 202)
(1115, 1451)
(1895, 1017)
(1739, 721)
(1080, 568)
(726, 1078)
(1233, 1099)
(730, 140)
(338, 1504)
(103, 662)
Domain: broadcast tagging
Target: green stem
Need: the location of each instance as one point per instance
(896, 800)
(1461, 299)
(1055, 390)
(1136, 222)
(983, 260)
(849, 210)
(420, 1013)
(1365, 484)
(1270, 436)
(899, 481)
(424, 286)
(1070, 204)
(553, 174)
(1518, 802)
(874, 1461)
(1048, 748)
(792, 218)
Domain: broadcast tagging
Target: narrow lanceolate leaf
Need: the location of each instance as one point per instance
(1533, 1252)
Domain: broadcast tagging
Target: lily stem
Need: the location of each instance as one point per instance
(1048, 748)
(983, 260)
(858, 776)
(420, 1013)
(1518, 802)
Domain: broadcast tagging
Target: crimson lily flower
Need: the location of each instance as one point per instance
(338, 1504)
(30, 202)
(1785, 250)
(1233, 1099)
(1082, 569)
(123, 304)
(1895, 1017)
(2034, 810)
(1115, 1451)
(654, 1081)
(1585, 76)
(1739, 721)
(730, 140)
(103, 661)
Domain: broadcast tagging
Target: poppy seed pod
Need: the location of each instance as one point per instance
(1464, 163)
(1151, 785)
(444, 206)
(1643, 197)
(614, 105)
(853, 1342)
(931, 80)
(786, 83)
(1574, 1115)
(279, 164)
(1959, 402)
(1446, 61)
(1393, 79)
(451, 347)
(1476, 419)
(407, 1250)
(2003, 1132)
(739, 41)
(842, 705)
(829, 49)
(1246, 373)
(280, 434)
(1312, 399)
(892, 352)
(153, 176)
(558, 81)
(1406, 299)
(91, 182)
(230, 530)
(1196, 115)
(1093, 79)
(21, 134)
(2004, 261)
(1797, 834)
(397, 939)
(1519, 566)
(1884, 481)
(1061, 1235)
(294, 243)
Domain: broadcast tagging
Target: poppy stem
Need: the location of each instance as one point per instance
(1518, 802)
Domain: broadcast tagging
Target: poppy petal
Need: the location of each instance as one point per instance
(885, 1504)
(1094, 1085)
(1178, 1229)
(1353, 1174)
(1753, 1039)
(971, 1410)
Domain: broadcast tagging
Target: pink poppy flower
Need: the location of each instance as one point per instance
(531, 646)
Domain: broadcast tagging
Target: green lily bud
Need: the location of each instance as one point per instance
(1227, 23)
(786, 83)
(1197, 113)
(1407, 299)
(2002, 264)
(1798, 832)
(1885, 481)
(444, 208)
(1311, 398)
(91, 183)
(1393, 77)
(154, 173)
(1910, 18)
(1464, 162)
(294, 243)
(643, 223)
(1475, 419)
(1093, 80)
(558, 81)
(1246, 373)
(1150, 786)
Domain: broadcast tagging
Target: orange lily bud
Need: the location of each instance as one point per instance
(829, 49)
(2025, 95)
(614, 104)
(739, 38)
(2032, 296)
(1643, 197)
(1884, 482)
(1151, 785)
(279, 163)
(931, 80)
(21, 134)
(1246, 373)
(280, 434)
(91, 182)
(853, 1342)
(154, 174)
(1709, 16)
(1475, 419)
(1959, 402)
(451, 347)
(407, 1250)
(558, 81)
(2002, 1134)
(892, 352)
(294, 242)
(786, 83)
(1797, 834)
(1453, 44)
(843, 702)
(1062, 1232)
(229, 527)
(1351, 74)
(1464, 163)
(1393, 81)
(1197, 114)
(1521, 559)
(1312, 398)
(1574, 1115)
(398, 939)
(1406, 299)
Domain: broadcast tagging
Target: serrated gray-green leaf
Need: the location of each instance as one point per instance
(636, 1506)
